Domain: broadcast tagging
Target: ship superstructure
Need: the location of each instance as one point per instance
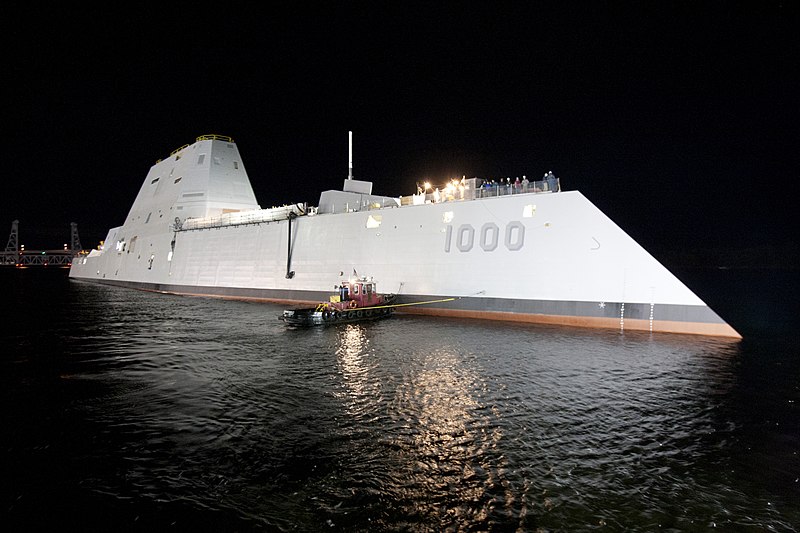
(523, 252)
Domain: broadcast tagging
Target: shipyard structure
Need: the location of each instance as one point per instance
(525, 252)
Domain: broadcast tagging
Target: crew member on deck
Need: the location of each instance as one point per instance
(551, 181)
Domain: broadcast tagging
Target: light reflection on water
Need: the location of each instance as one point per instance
(451, 447)
(435, 434)
(201, 413)
(363, 392)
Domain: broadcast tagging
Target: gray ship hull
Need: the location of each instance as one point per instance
(525, 255)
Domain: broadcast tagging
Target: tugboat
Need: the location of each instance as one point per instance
(356, 300)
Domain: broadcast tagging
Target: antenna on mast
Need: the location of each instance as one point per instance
(350, 175)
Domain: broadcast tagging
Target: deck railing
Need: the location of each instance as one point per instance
(489, 189)
(482, 189)
(241, 218)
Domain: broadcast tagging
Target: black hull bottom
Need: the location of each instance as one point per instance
(665, 318)
(312, 317)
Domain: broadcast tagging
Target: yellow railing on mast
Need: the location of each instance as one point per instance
(176, 150)
(214, 137)
(208, 137)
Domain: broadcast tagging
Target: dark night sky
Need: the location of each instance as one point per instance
(678, 119)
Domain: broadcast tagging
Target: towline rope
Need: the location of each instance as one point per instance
(422, 303)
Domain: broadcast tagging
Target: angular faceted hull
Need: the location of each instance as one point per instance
(547, 257)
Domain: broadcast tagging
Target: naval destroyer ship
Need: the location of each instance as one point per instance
(526, 252)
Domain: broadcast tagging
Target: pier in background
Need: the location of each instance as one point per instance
(17, 256)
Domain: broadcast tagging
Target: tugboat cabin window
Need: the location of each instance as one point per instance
(355, 288)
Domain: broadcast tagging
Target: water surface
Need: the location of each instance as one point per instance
(127, 410)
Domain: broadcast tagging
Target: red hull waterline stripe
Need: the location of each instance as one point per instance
(663, 318)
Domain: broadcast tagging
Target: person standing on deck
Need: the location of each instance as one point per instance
(551, 181)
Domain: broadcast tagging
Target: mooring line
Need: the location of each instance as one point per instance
(422, 303)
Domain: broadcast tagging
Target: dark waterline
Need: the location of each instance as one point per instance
(126, 410)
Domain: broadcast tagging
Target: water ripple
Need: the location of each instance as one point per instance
(198, 412)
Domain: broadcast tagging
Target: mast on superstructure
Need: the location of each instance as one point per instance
(350, 153)
(358, 200)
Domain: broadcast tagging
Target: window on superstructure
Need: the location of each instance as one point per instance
(201, 158)
(236, 165)
(154, 181)
(179, 178)
(148, 218)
